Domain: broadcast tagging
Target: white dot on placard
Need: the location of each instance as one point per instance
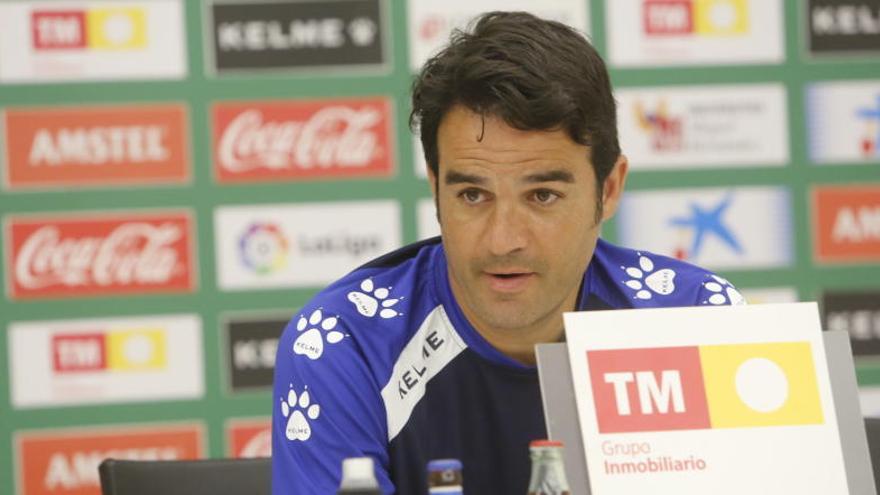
(761, 385)
(138, 349)
(723, 15)
(118, 29)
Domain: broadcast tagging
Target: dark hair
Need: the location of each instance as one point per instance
(533, 73)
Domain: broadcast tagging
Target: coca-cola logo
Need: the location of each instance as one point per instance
(301, 139)
(334, 136)
(94, 257)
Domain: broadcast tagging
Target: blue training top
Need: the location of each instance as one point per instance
(383, 363)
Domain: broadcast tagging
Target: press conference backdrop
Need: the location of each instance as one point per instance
(178, 178)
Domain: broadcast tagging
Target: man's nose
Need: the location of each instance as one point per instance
(507, 229)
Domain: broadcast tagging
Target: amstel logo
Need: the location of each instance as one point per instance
(713, 386)
(699, 17)
(110, 28)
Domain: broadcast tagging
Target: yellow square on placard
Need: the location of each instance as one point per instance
(721, 17)
(139, 349)
(122, 28)
(761, 385)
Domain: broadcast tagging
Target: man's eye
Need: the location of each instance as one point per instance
(545, 197)
(472, 195)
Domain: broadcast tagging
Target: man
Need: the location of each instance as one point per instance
(428, 351)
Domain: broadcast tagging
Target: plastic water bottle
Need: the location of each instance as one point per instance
(358, 477)
(444, 476)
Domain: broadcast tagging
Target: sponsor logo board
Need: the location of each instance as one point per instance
(65, 462)
(300, 245)
(99, 253)
(96, 146)
(721, 228)
(431, 23)
(297, 34)
(694, 32)
(703, 126)
(846, 223)
(248, 438)
(97, 40)
(295, 140)
(837, 27)
(95, 361)
(857, 313)
(701, 387)
(843, 121)
(252, 343)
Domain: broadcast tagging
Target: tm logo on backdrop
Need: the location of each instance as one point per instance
(746, 227)
(111, 28)
(704, 387)
(695, 17)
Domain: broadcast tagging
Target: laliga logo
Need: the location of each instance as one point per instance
(714, 386)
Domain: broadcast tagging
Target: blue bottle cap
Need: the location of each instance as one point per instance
(444, 465)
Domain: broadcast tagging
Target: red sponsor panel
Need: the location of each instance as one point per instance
(58, 29)
(846, 223)
(308, 139)
(249, 438)
(667, 17)
(648, 389)
(65, 462)
(96, 146)
(99, 254)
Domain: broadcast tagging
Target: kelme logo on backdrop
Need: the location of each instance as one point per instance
(297, 34)
(702, 387)
(252, 345)
(302, 139)
(843, 27)
(96, 146)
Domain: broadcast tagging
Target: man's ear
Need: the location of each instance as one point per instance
(613, 187)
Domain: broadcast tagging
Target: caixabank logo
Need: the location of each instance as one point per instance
(704, 387)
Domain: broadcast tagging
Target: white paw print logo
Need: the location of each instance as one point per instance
(723, 292)
(311, 342)
(646, 282)
(292, 408)
(368, 300)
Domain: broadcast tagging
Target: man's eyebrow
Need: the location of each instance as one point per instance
(453, 177)
(550, 176)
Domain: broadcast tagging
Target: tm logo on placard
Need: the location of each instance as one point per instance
(715, 386)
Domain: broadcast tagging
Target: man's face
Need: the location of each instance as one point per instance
(517, 212)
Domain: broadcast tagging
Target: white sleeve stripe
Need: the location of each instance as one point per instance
(434, 345)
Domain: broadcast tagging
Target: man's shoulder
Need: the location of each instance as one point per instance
(374, 307)
(646, 279)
